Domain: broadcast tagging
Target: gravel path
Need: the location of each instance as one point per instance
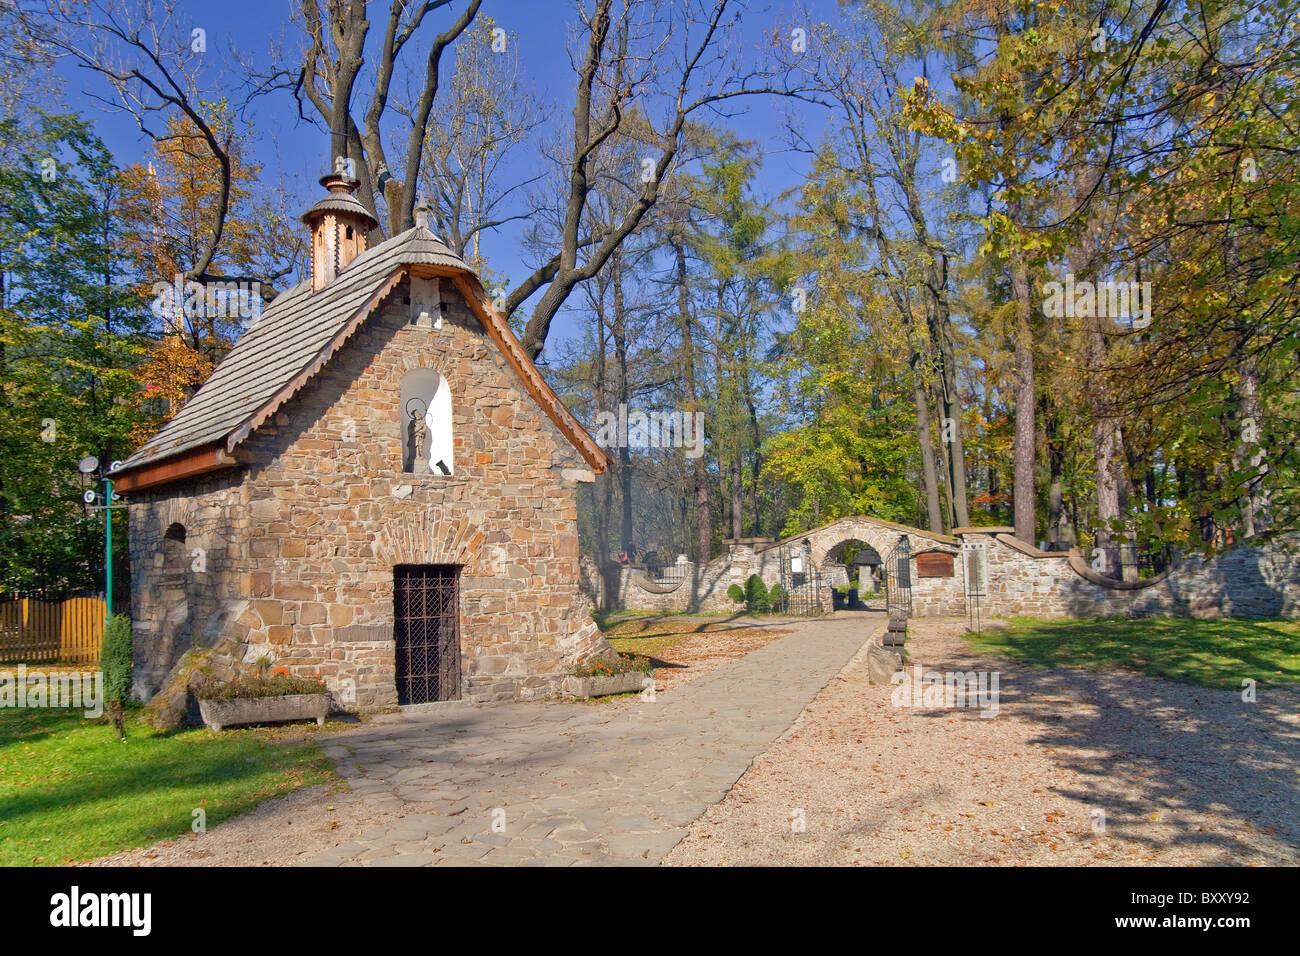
(1077, 768)
(554, 783)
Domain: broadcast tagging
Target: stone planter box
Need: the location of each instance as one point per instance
(264, 710)
(604, 686)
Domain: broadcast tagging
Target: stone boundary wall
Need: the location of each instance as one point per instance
(702, 589)
(705, 588)
(1248, 581)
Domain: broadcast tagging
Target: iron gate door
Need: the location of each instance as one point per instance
(898, 579)
(426, 631)
(801, 582)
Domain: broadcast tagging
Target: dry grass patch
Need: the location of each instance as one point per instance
(682, 649)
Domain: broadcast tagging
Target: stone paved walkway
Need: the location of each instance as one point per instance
(562, 784)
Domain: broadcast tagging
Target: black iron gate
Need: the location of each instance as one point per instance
(898, 579)
(801, 582)
(426, 631)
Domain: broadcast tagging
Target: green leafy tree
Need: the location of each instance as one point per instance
(69, 336)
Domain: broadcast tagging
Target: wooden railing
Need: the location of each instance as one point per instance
(69, 630)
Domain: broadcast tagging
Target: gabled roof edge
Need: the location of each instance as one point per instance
(212, 456)
(499, 329)
(290, 388)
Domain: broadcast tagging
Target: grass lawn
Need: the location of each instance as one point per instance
(71, 790)
(1218, 653)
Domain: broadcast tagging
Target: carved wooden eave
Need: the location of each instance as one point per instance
(188, 464)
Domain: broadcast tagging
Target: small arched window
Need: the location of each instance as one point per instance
(426, 424)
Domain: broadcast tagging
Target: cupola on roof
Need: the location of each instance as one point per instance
(339, 227)
(340, 200)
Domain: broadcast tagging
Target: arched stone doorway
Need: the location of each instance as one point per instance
(852, 568)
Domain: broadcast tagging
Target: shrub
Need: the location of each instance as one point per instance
(279, 684)
(736, 593)
(116, 664)
(775, 597)
(756, 599)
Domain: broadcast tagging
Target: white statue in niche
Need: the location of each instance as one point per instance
(417, 436)
(427, 446)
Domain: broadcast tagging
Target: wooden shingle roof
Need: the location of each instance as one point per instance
(296, 335)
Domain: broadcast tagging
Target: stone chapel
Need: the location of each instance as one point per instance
(376, 485)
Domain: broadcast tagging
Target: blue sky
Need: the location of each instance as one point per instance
(296, 152)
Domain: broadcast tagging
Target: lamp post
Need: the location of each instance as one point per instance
(89, 466)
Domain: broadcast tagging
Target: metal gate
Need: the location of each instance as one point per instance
(898, 579)
(801, 583)
(426, 632)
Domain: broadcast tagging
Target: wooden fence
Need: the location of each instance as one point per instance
(70, 630)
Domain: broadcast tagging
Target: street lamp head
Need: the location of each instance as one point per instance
(88, 465)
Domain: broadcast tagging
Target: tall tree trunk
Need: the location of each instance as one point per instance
(1023, 455)
(1108, 452)
(601, 388)
(737, 496)
(1058, 524)
(929, 470)
(757, 468)
(703, 513)
(1107, 440)
(992, 482)
(1255, 517)
(1204, 504)
(624, 452)
(939, 317)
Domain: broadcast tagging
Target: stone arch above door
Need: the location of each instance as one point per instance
(425, 537)
(838, 570)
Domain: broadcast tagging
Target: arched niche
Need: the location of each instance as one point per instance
(174, 566)
(174, 559)
(426, 424)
